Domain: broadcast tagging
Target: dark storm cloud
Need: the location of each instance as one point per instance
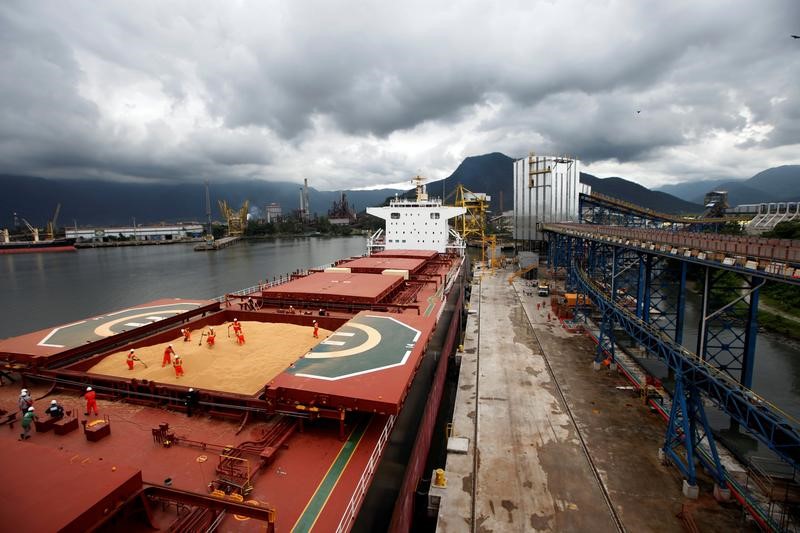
(352, 94)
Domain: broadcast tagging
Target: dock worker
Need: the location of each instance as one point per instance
(27, 420)
(211, 337)
(131, 359)
(316, 330)
(187, 335)
(191, 401)
(178, 364)
(251, 305)
(25, 401)
(91, 401)
(55, 411)
(168, 353)
(236, 325)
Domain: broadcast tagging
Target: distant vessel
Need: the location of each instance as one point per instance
(27, 247)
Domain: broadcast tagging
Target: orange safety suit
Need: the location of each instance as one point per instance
(91, 402)
(178, 364)
(168, 353)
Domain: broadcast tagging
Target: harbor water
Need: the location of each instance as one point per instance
(44, 290)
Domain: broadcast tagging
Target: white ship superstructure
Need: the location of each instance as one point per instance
(420, 224)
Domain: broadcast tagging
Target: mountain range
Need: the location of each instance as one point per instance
(97, 203)
(778, 184)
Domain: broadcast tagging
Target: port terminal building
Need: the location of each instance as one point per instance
(142, 233)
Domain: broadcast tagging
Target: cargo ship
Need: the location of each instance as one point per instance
(27, 247)
(316, 414)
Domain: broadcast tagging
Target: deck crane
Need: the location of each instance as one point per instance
(50, 232)
(34, 231)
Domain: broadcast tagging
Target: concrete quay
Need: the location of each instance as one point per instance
(552, 445)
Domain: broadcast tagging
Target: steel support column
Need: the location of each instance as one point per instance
(683, 430)
(728, 326)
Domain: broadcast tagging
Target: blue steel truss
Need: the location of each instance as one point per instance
(762, 420)
(686, 413)
(729, 323)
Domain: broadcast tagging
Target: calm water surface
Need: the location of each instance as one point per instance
(42, 290)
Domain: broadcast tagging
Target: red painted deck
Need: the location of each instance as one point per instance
(336, 287)
(49, 489)
(376, 265)
(313, 475)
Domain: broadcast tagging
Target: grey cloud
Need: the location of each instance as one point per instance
(264, 90)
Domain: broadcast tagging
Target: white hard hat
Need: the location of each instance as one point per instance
(31, 409)
(236, 320)
(131, 350)
(191, 389)
(170, 346)
(53, 402)
(88, 388)
(24, 391)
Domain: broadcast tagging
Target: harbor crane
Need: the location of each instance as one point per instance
(34, 231)
(50, 232)
(237, 219)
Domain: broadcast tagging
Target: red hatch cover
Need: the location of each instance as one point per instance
(52, 490)
(376, 265)
(365, 365)
(336, 287)
(58, 339)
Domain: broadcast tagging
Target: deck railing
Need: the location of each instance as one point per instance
(360, 490)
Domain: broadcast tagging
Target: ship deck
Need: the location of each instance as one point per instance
(319, 422)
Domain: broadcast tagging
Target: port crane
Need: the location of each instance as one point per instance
(50, 232)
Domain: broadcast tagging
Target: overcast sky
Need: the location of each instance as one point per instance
(352, 94)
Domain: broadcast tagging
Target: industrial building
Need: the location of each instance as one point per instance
(546, 190)
(141, 233)
(274, 212)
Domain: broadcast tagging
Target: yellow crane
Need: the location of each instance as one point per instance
(237, 219)
(50, 232)
(472, 224)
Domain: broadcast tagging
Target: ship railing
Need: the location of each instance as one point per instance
(360, 491)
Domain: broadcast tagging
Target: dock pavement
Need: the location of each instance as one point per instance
(551, 444)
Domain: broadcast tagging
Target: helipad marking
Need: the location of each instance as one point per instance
(43, 341)
(373, 339)
(137, 324)
(342, 334)
(155, 318)
(104, 330)
(361, 349)
(333, 343)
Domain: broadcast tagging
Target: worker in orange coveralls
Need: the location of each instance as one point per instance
(178, 364)
(187, 335)
(168, 353)
(237, 327)
(131, 359)
(211, 337)
(316, 330)
(91, 401)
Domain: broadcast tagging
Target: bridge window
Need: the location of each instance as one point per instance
(435, 216)
(395, 215)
